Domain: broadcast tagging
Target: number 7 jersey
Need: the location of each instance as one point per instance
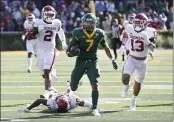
(46, 37)
(138, 42)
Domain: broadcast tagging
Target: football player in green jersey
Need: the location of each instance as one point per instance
(84, 45)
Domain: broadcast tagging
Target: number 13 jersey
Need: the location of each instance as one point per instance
(138, 42)
(46, 37)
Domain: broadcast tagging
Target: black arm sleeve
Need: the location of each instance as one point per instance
(73, 42)
(37, 103)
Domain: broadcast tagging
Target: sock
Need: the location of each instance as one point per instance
(29, 63)
(133, 97)
(95, 95)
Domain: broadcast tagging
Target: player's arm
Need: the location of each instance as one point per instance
(37, 103)
(25, 32)
(74, 42)
(150, 44)
(104, 44)
(62, 37)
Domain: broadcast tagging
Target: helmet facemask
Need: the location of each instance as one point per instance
(139, 25)
(48, 16)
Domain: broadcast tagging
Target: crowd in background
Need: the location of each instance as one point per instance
(14, 12)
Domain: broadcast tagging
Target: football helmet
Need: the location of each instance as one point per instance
(140, 22)
(30, 17)
(48, 13)
(89, 22)
(131, 17)
(63, 104)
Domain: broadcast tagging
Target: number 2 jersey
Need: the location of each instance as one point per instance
(46, 37)
(139, 41)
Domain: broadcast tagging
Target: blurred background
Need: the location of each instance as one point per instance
(13, 14)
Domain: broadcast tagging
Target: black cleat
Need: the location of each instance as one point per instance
(29, 71)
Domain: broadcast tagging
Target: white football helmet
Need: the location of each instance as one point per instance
(30, 17)
(131, 17)
(48, 13)
(140, 22)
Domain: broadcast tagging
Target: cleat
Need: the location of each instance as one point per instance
(133, 104)
(95, 112)
(29, 71)
(25, 110)
(125, 90)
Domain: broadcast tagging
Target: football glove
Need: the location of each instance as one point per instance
(114, 63)
(74, 51)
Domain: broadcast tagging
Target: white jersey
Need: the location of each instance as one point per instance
(28, 26)
(73, 101)
(125, 23)
(139, 42)
(46, 37)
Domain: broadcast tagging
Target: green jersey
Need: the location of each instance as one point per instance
(88, 43)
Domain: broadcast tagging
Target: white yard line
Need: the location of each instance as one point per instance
(79, 93)
(144, 86)
(84, 81)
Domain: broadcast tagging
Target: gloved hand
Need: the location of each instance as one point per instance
(23, 37)
(114, 63)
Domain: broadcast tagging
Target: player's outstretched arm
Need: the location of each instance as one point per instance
(108, 52)
(62, 38)
(34, 104)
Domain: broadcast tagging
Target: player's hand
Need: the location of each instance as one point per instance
(64, 46)
(114, 63)
(74, 51)
(23, 37)
(122, 50)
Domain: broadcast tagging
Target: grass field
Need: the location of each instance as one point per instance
(19, 88)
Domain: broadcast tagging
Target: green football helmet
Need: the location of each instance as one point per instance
(89, 22)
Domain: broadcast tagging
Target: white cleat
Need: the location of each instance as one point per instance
(133, 104)
(24, 109)
(95, 112)
(125, 90)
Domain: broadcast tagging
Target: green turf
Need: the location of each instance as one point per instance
(19, 88)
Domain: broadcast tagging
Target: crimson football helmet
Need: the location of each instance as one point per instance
(131, 17)
(48, 13)
(63, 104)
(140, 22)
(30, 17)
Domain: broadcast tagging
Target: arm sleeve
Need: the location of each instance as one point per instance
(103, 42)
(62, 36)
(73, 42)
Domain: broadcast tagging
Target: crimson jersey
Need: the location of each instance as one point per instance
(28, 26)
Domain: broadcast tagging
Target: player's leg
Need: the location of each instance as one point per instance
(114, 47)
(29, 46)
(128, 69)
(77, 74)
(140, 73)
(93, 74)
(49, 61)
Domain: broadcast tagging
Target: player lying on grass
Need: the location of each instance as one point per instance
(60, 102)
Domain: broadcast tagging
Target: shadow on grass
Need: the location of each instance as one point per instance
(69, 115)
(14, 105)
(169, 104)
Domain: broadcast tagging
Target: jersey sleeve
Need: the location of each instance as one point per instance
(25, 25)
(103, 42)
(36, 23)
(146, 41)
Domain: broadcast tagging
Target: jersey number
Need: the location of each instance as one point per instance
(140, 45)
(48, 35)
(90, 44)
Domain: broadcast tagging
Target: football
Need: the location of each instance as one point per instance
(75, 49)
